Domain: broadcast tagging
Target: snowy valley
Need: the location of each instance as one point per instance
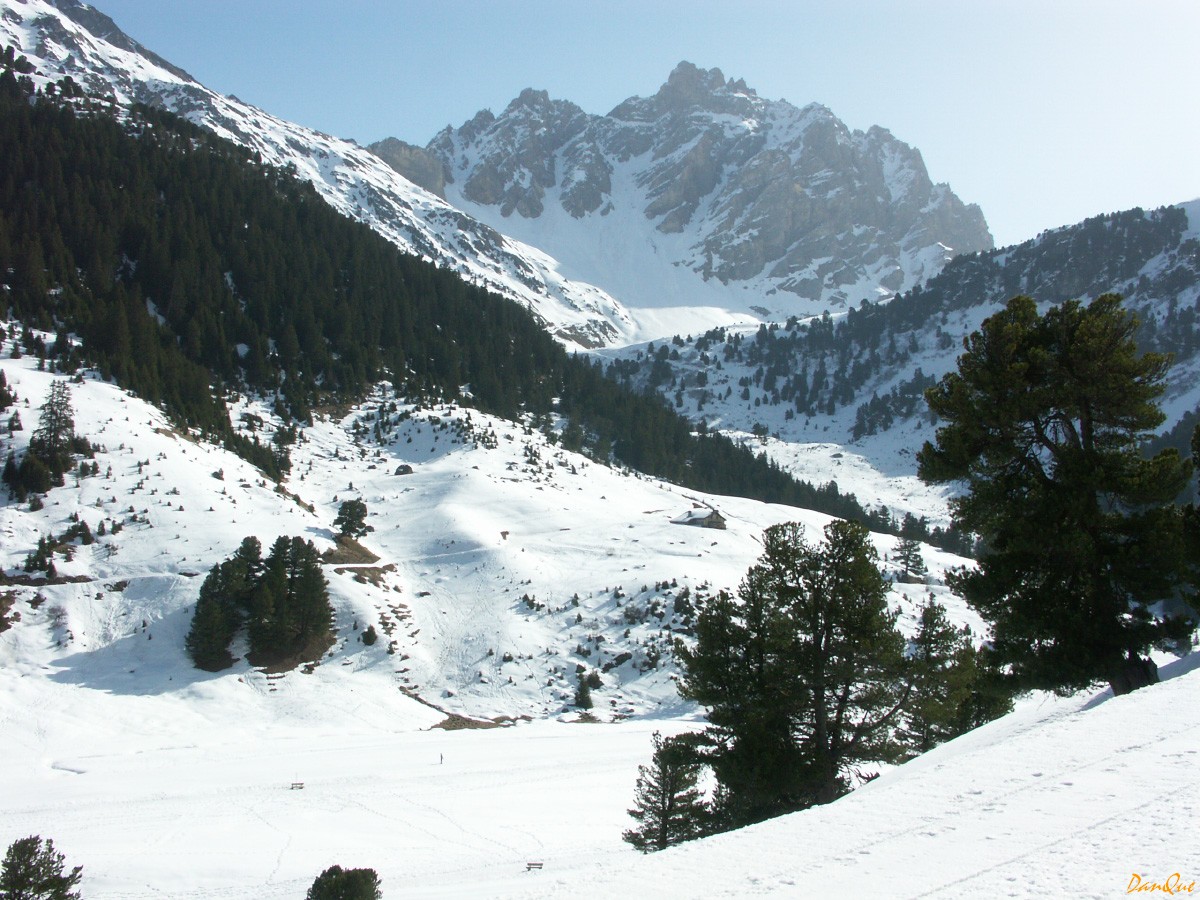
(508, 563)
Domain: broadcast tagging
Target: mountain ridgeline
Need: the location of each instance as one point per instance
(728, 186)
(183, 263)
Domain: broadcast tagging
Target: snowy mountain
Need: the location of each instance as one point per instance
(500, 570)
(66, 37)
(707, 195)
(720, 207)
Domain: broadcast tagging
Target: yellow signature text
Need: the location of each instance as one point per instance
(1173, 884)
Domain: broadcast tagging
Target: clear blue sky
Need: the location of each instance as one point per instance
(1041, 111)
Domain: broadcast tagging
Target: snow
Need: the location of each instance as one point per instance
(160, 779)
(1075, 795)
(165, 781)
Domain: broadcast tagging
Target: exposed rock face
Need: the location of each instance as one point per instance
(414, 163)
(760, 190)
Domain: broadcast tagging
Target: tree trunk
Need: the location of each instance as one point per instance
(1132, 673)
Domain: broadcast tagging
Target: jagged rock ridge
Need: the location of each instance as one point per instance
(736, 188)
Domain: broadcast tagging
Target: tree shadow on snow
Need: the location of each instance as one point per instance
(148, 661)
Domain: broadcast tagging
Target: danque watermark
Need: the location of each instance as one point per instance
(1171, 886)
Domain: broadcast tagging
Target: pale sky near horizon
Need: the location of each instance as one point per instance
(1043, 112)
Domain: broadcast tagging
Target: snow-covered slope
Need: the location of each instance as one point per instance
(1095, 796)
(163, 780)
(504, 562)
(705, 203)
(66, 37)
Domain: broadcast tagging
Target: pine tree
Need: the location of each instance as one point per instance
(583, 694)
(908, 556)
(1044, 420)
(207, 641)
(351, 519)
(308, 593)
(336, 883)
(7, 397)
(33, 870)
(668, 806)
(803, 675)
(223, 604)
(55, 434)
(951, 691)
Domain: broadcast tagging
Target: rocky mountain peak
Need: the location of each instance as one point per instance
(752, 191)
(529, 99)
(689, 85)
(689, 89)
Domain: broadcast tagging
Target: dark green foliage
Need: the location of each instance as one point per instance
(290, 604)
(951, 691)
(32, 476)
(1181, 437)
(221, 607)
(803, 674)
(283, 600)
(668, 806)
(33, 870)
(50, 448)
(336, 883)
(908, 557)
(1044, 420)
(583, 693)
(54, 438)
(1191, 535)
(7, 397)
(351, 519)
(114, 214)
(211, 632)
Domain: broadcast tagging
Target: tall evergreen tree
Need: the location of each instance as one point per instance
(669, 806)
(211, 631)
(223, 604)
(804, 675)
(1044, 420)
(54, 437)
(908, 557)
(952, 691)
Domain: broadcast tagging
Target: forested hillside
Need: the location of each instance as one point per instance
(183, 263)
(867, 371)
